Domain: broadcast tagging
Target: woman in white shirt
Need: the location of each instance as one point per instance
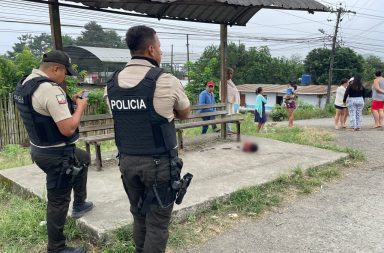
(341, 108)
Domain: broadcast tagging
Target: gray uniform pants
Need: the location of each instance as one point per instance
(150, 232)
(58, 199)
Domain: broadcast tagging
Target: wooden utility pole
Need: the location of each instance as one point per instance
(54, 16)
(333, 52)
(223, 70)
(189, 79)
(332, 60)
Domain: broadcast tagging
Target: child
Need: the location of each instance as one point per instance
(290, 97)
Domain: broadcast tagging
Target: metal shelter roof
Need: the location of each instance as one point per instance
(230, 12)
(95, 57)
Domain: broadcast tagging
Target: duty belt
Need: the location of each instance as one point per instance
(55, 151)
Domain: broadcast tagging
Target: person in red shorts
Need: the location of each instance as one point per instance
(378, 99)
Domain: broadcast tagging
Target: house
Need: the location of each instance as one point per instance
(315, 95)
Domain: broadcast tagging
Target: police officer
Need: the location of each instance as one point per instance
(144, 102)
(52, 125)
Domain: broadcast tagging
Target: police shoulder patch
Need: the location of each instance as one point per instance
(61, 99)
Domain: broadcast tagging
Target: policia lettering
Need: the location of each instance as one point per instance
(128, 104)
(140, 130)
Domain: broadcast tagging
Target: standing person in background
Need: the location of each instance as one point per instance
(207, 97)
(52, 124)
(260, 115)
(378, 99)
(233, 97)
(290, 102)
(341, 108)
(355, 93)
(146, 137)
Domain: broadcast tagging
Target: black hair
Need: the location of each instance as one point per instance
(343, 81)
(138, 38)
(294, 86)
(259, 90)
(378, 73)
(357, 83)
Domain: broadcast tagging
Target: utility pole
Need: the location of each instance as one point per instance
(189, 79)
(172, 59)
(339, 11)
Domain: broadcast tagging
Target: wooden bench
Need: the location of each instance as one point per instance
(195, 119)
(95, 129)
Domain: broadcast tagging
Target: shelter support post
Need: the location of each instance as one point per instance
(54, 16)
(223, 70)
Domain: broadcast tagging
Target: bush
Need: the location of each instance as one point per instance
(96, 97)
(279, 113)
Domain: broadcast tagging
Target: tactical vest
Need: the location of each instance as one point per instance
(139, 129)
(42, 130)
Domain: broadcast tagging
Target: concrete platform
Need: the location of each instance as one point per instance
(218, 171)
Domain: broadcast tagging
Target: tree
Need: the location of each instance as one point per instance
(13, 70)
(253, 65)
(371, 65)
(199, 79)
(347, 63)
(95, 36)
(38, 44)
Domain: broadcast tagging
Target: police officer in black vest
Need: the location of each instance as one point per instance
(52, 125)
(144, 102)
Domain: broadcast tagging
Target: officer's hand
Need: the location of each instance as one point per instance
(77, 95)
(81, 102)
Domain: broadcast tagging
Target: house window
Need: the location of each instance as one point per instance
(279, 100)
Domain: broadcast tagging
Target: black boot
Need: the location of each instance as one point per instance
(78, 210)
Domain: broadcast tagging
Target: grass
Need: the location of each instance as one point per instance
(14, 155)
(20, 217)
(252, 202)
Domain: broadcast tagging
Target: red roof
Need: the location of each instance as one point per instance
(282, 88)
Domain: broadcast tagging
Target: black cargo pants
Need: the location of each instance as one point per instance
(59, 198)
(150, 232)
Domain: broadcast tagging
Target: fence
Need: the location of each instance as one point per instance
(12, 130)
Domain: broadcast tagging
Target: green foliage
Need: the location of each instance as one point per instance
(253, 65)
(347, 62)
(200, 77)
(371, 65)
(12, 70)
(14, 155)
(279, 113)
(8, 75)
(95, 36)
(96, 97)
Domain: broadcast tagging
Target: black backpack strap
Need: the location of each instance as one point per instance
(112, 81)
(153, 74)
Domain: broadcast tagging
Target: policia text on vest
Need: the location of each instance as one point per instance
(129, 104)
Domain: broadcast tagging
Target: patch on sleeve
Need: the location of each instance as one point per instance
(61, 99)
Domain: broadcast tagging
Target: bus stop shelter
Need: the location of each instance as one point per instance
(222, 12)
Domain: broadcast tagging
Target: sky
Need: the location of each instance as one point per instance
(286, 33)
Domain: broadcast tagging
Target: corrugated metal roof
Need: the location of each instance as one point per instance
(282, 88)
(231, 12)
(116, 55)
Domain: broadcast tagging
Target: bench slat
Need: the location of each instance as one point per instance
(95, 117)
(97, 138)
(195, 107)
(91, 128)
